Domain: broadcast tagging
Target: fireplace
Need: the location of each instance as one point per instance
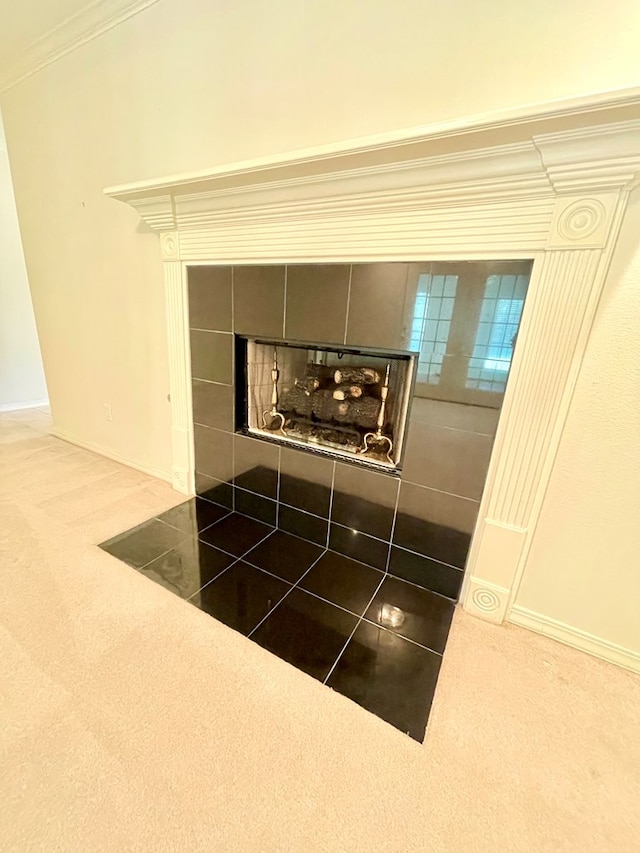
(550, 184)
(346, 402)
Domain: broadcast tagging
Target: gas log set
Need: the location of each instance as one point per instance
(349, 402)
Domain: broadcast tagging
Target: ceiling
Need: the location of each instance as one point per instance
(23, 23)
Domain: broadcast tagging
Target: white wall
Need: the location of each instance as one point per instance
(189, 84)
(21, 375)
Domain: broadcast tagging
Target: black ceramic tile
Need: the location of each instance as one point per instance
(193, 516)
(427, 573)
(358, 545)
(214, 490)
(389, 676)
(256, 506)
(450, 460)
(316, 307)
(212, 356)
(364, 500)
(241, 596)
(376, 305)
(306, 632)
(434, 524)
(301, 524)
(213, 452)
(432, 540)
(342, 581)
(210, 298)
(305, 481)
(143, 543)
(236, 534)
(255, 465)
(412, 612)
(212, 404)
(284, 555)
(258, 300)
(187, 568)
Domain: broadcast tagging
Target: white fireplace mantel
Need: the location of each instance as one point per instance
(551, 188)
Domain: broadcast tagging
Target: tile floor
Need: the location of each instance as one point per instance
(372, 637)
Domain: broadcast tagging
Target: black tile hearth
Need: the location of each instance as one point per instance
(306, 632)
(342, 581)
(412, 612)
(305, 481)
(187, 568)
(255, 465)
(425, 572)
(348, 537)
(256, 507)
(284, 555)
(389, 676)
(143, 543)
(359, 546)
(241, 596)
(364, 500)
(214, 490)
(193, 516)
(371, 636)
(236, 534)
(303, 525)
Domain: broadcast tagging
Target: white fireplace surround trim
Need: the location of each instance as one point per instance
(557, 197)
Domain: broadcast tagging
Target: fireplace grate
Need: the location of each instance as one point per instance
(343, 401)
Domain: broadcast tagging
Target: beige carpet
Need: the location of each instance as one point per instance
(131, 721)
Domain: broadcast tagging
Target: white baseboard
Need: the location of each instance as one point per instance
(17, 407)
(158, 473)
(575, 638)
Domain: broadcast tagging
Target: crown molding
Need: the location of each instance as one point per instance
(96, 18)
(600, 159)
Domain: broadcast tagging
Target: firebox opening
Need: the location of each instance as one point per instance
(342, 401)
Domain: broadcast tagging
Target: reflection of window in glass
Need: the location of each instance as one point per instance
(497, 329)
(431, 323)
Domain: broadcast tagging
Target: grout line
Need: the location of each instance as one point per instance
(441, 491)
(164, 554)
(425, 589)
(204, 586)
(233, 301)
(228, 553)
(202, 529)
(278, 484)
(335, 663)
(212, 382)
(354, 560)
(333, 480)
(402, 637)
(346, 316)
(393, 526)
(211, 331)
(425, 557)
(329, 521)
(289, 591)
(284, 306)
(233, 472)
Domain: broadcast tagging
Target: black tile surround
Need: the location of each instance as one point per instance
(417, 526)
(349, 574)
(374, 638)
